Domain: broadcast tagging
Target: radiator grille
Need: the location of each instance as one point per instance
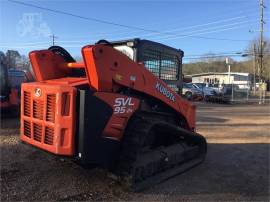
(27, 103)
(49, 136)
(37, 132)
(41, 110)
(38, 108)
(50, 112)
(47, 117)
(27, 128)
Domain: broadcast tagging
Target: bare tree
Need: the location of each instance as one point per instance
(12, 56)
(265, 71)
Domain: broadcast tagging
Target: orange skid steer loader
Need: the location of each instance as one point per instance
(111, 111)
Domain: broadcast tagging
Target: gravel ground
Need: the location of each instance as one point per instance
(236, 167)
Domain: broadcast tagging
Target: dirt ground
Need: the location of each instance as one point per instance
(236, 167)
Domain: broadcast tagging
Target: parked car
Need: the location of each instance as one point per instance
(191, 93)
(219, 89)
(206, 91)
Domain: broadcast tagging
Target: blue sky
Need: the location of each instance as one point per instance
(181, 23)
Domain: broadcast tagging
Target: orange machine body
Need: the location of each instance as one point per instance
(106, 68)
(50, 107)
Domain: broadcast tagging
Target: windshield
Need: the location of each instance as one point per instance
(162, 64)
(188, 85)
(200, 85)
(197, 86)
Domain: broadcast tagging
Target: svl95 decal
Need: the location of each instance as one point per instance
(123, 105)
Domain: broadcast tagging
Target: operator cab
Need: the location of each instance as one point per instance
(163, 61)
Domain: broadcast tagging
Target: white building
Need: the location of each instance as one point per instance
(244, 80)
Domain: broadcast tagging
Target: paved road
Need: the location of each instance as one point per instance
(237, 163)
(236, 167)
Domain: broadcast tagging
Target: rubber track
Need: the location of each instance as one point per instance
(139, 169)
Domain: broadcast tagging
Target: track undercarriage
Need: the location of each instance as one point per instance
(154, 150)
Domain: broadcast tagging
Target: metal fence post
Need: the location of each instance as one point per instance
(232, 91)
(247, 93)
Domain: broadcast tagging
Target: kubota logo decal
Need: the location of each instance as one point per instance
(163, 90)
(37, 92)
(123, 105)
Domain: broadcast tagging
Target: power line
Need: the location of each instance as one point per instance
(222, 55)
(214, 56)
(208, 23)
(113, 23)
(198, 25)
(215, 31)
(216, 27)
(175, 29)
(28, 43)
(144, 35)
(80, 43)
(187, 33)
(85, 18)
(32, 44)
(195, 33)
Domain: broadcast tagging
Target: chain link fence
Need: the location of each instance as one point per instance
(230, 93)
(237, 93)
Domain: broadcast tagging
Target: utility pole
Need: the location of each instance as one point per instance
(229, 69)
(53, 39)
(254, 68)
(228, 62)
(261, 40)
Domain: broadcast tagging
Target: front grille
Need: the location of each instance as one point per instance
(39, 113)
(38, 106)
(47, 118)
(37, 132)
(27, 128)
(50, 112)
(27, 103)
(49, 136)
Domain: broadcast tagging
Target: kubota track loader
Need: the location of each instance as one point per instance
(111, 111)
